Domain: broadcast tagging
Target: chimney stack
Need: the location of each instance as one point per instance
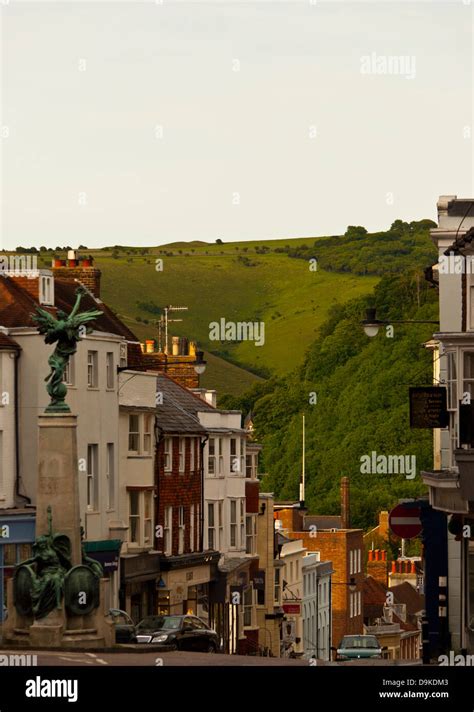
(80, 268)
(345, 504)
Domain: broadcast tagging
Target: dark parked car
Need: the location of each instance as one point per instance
(177, 633)
(355, 647)
(124, 626)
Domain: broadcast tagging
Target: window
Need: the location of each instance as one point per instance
(180, 530)
(192, 446)
(140, 517)
(123, 355)
(147, 421)
(46, 290)
(250, 533)
(68, 377)
(359, 597)
(221, 455)
(220, 521)
(452, 380)
(468, 374)
(133, 433)
(248, 466)
(211, 529)
(92, 375)
(110, 476)
(234, 460)
(351, 562)
(182, 454)
(168, 449)
(191, 528)
(134, 517)
(248, 605)
(167, 530)
(351, 605)
(211, 460)
(359, 560)
(242, 455)
(109, 369)
(233, 523)
(277, 587)
(148, 518)
(92, 478)
(242, 522)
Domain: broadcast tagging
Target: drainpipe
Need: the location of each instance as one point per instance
(17, 437)
(202, 445)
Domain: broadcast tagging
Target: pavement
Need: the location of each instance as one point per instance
(129, 658)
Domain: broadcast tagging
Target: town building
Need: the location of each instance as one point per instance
(450, 481)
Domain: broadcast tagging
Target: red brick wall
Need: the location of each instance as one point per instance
(179, 368)
(89, 276)
(179, 489)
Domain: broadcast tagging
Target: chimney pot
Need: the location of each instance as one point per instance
(377, 552)
(394, 567)
(384, 555)
(371, 555)
(413, 567)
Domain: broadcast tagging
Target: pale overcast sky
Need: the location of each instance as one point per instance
(147, 122)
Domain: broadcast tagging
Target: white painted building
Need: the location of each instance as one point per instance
(9, 352)
(292, 555)
(316, 609)
(450, 483)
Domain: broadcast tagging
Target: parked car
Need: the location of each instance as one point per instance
(178, 633)
(124, 626)
(356, 647)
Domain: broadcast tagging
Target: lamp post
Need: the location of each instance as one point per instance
(371, 324)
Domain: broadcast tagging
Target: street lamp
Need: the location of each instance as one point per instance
(200, 363)
(372, 325)
(352, 584)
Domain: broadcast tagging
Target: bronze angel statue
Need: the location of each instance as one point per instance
(66, 331)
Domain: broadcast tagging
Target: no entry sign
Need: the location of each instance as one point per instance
(405, 521)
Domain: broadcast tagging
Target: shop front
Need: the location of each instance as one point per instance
(17, 534)
(184, 584)
(107, 553)
(139, 591)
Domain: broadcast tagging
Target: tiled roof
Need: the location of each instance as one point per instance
(177, 413)
(17, 306)
(7, 343)
(374, 598)
(405, 593)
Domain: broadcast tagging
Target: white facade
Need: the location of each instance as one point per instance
(316, 609)
(7, 428)
(293, 556)
(225, 525)
(136, 495)
(92, 396)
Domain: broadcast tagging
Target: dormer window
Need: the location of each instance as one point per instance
(46, 293)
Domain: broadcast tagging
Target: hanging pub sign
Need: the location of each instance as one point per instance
(428, 407)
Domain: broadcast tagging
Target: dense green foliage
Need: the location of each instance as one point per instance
(361, 387)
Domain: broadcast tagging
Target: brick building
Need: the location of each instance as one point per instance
(342, 547)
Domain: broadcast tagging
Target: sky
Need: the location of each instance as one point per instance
(143, 123)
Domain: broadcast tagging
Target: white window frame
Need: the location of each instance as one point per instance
(147, 419)
(92, 477)
(234, 457)
(134, 433)
(211, 457)
(182, 455)
(110, 475)
(92, 369)
(168, 531)
(69, 371)
(211, 525)
(181, 529)
(220, 456)
(109, 371)
(168, 455)
(233, 524)
(220, 522)
(46, 290)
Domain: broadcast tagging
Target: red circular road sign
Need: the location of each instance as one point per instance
(405, 521)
